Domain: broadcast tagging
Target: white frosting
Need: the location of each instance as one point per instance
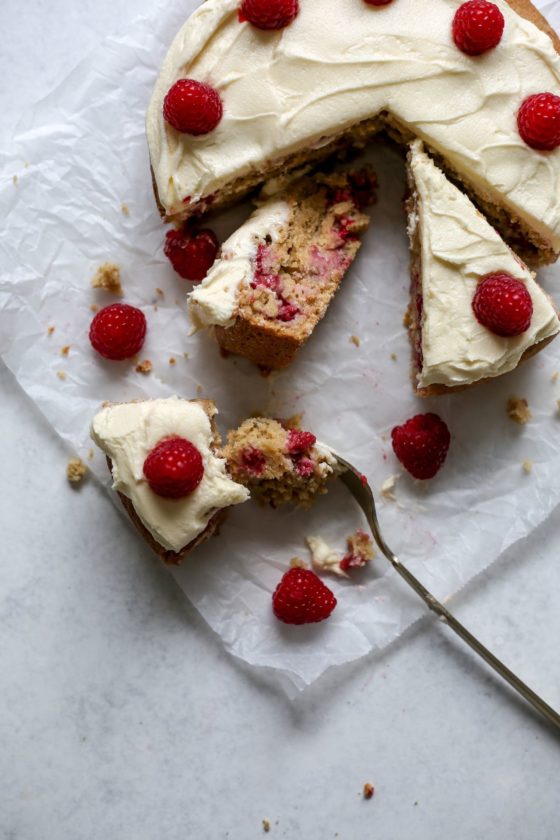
(343, 61)
(458, 247)
(329, 464)
(323, 557)
(127, 433)
(214, 301)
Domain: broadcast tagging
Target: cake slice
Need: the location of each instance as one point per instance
(277, 464)
(177, 501)
(453, 250)
(278, 273)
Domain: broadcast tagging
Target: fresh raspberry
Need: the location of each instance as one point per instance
(191, 255)
(538, 121)
(502, 304)
(269, 14)
(421, 444)
(304, 466)
(253, 460)
(118, 331)
(174, 468)
(302, 598)
(287, 311)
(477, 26)
(299, 442)
(192, 107)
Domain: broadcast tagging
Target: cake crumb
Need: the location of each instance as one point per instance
(388, 488)
(90, 455)
(50, 331)
(266, 825)
(108, 278)
(369, 790)
(75, 470)
(555, 376)
(160, 292)
(355, 340)
(61, 375)
(359, 550)
(297, 563)
(144, 367)
(14, 180)
(125, 209)
(518, 410)
(293, 422)
(323, 557)
(94, 307)
(394, 357)
(172, 360)
(64, 351)
(527, 466)
(185, 355)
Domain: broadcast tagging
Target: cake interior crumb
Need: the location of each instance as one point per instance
(518, 410)
(144, 367)
(369, 790)
(527, 466)
(355, 340)
(108, 278)
(75, 470)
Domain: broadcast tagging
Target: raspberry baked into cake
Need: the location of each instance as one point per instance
(166, 466)
(251, 90)
(277, 464)
(476, 311)
(277, 274)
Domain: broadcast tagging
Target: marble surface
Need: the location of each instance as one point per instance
(120, 715)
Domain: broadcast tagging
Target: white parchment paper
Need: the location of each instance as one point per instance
(76, 157)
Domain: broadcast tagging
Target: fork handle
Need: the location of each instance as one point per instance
(436, 607)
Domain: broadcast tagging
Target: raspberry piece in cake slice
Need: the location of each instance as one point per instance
(284, 465)
(278, 273)
(475, 309)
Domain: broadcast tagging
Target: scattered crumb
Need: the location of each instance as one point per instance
(15, 180)
(369, 790)
(90, 455)
(50, 331)
(359, 550)
(61, 375)
(355, 340)
(388, 488)
(297, 563)
(555, 376)
(172, 360)
(293, 422)
(160, 292)
(266, 825)
(185, 355)
(323, 557)
(93, 307)
(144, 367)
(518, 410)
(108, 278)
(394, 357)
(75, 470)
(65, 350)
(527, 466)
(125, 210)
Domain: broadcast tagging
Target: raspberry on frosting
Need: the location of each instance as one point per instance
(421, 444)
(118, 331)
(174, 468)
(478, 26)
(302, 598)
(268, 14)
(503, 305)
(191, 254)
(538, 121)
(192, 107)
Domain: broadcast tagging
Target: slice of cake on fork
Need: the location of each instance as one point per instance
(475, 311)
(277, 274)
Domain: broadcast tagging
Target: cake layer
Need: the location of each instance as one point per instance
(338, 65)
(127, 432)
(453, 248)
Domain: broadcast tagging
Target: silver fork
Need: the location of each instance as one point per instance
(360, 489)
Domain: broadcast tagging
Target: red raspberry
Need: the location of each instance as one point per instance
(191, 255)
(304, 467)
(538, 121)
(299, 442)
(421, 444)
(118, 331)
(253, 460)
(174, 468)
(192, 107)
(378, 2)
(477, 26)
(502, 304)
(287, 311)
(301, 598)
(269, 14)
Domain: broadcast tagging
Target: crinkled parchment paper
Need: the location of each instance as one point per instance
(77, 157)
